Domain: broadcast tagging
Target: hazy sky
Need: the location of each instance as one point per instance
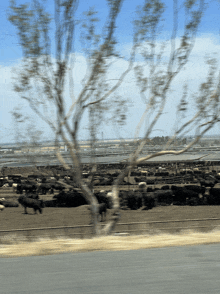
(207, 44)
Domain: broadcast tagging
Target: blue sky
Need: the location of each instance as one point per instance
(208, 43)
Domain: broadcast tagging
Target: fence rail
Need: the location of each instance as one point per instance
(134, 228)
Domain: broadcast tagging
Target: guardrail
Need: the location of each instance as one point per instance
(134, 228)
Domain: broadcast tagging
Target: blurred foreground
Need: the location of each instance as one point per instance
(109, 243)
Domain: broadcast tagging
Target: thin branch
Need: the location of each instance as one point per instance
(114, 88)
(166, 152)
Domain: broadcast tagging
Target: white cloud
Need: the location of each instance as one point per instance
(194, 73)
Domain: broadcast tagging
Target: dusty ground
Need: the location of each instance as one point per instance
(14, 218)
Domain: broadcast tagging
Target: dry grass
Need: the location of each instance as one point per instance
(109, 243)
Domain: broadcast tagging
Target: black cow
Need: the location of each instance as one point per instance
(20, 188)
(32, 195)
(32, 203)
(208, 182)
(149, 199)
(102, 211)
(44, 188)
(183, 196)
(57, 186)
(213, 197)
(164, 197)
(196, 188)
(7, 203)
(28, 188)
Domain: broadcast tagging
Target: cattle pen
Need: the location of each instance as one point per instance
(169, 214)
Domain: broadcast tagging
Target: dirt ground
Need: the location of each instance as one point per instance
(14, 218)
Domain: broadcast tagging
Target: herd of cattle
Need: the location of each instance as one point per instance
(186, 186)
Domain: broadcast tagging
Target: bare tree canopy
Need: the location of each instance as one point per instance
(48, 42)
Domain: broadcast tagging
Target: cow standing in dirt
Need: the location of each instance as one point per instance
(102, 210)
(32, 203)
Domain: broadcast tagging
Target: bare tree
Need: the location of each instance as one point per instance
(44, 73)
(26, 134)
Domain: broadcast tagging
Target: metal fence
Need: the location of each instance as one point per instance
(121, 229)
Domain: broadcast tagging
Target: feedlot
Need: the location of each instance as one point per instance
(167, 197)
